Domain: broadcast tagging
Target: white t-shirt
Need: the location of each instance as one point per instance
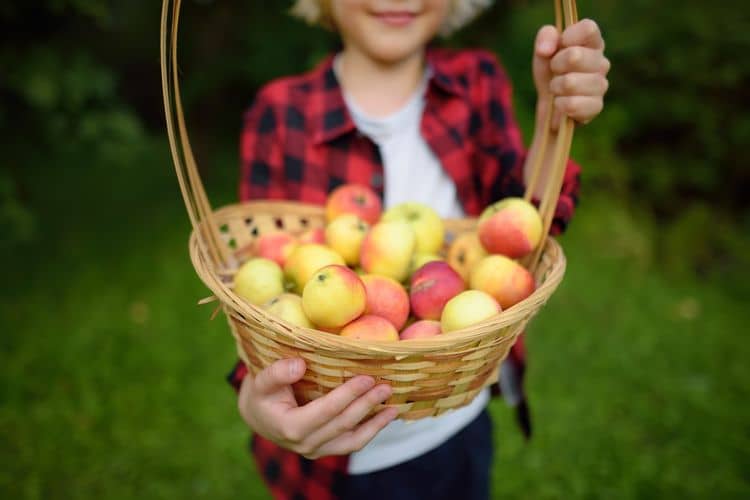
(412, 173)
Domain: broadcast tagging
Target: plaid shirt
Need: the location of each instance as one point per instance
(299, 142)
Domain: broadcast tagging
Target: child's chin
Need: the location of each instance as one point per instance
(396, 49)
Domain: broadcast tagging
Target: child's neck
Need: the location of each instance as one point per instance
(379, 89)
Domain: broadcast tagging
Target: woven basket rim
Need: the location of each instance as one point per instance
(316, 340)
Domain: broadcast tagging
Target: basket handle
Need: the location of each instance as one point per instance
(193, 193)
(566, 14)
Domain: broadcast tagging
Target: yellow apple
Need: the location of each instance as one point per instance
(288, 307)
(466, 309)
(388, 248)
(505, 279)
(334, 296)
(427, 224)
(259, 280)
(345, 235)
(305, 260)
(464, 253)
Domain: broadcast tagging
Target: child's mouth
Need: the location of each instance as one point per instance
(396, 19)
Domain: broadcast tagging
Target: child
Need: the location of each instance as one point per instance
(414, 123)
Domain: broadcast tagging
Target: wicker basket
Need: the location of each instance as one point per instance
(428, 376)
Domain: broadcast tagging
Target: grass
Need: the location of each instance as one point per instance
(112, 379)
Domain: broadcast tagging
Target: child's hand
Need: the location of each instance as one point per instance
(572, 69)
(330, 425)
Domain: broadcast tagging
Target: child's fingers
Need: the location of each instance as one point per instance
(317, 413)
(581, 108)
(545, 46)
(350, 417)
(586, 84)
(547, 41)
(280, 374)
(359, 437)
(580, 60)
(584, 33)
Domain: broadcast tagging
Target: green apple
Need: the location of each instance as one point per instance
(259, 280)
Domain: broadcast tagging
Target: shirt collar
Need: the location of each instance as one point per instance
(334, 119)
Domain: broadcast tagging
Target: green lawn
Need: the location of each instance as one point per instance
(113, 379)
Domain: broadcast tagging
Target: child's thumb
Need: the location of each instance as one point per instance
(280, 374)
(545, 46)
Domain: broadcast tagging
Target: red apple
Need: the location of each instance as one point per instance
(510, 227)
(421, 329)
(276, 245)
(432, 286)
(354, 199)
(386, 298)
(370, 328)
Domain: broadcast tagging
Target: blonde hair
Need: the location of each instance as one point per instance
(461, 13)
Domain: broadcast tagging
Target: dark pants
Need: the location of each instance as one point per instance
(457, 469)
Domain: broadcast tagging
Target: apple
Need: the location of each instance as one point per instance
(421, 329)
(432, 286)
(288, 307)
(354, 199)
(387, 249)
(305, 260)
(466, 309)
(314, 235)
(370, 327)
(334, 296)
(511, 227)
(276, 245)
(420, 259)
(464, 252)
(386, 298)
(427, 224)
(259, 280)
(345, 235)
(503, 278)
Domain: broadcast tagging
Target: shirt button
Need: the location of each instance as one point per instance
(377, 180)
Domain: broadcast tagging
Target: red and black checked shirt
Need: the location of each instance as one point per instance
(299, 143)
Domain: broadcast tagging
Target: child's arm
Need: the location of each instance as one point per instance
(332, 424)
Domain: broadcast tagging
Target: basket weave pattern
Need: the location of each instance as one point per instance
(428, 376)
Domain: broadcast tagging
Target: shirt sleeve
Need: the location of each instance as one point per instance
(500, 138)
(261, 156)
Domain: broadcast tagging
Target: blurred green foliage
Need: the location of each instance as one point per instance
(670, 144)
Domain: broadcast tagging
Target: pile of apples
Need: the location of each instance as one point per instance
(388, 275)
